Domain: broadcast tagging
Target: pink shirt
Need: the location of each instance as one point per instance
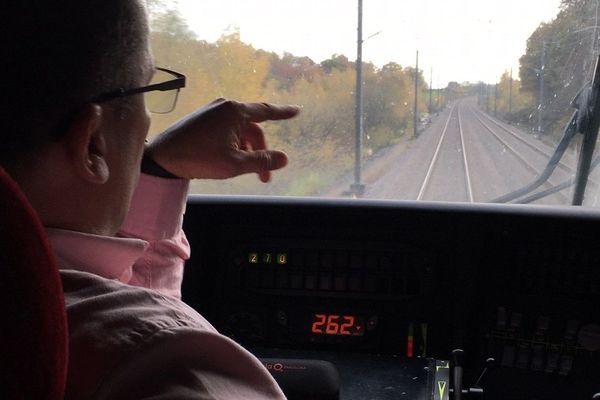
(130, 337)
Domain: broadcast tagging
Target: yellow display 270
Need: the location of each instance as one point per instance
(267, 258)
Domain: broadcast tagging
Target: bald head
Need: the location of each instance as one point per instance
(60, 54)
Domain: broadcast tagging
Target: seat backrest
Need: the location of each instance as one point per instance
(33, 325)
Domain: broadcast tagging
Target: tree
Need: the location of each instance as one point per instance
(336, 62)
(568, 54)
(287, 70)
(166, 19)
(320, 142)
(513, 103)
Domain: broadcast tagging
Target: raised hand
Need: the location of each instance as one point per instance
(221, 140)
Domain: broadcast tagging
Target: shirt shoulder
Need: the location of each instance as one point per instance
(125, 339)
(120, 309)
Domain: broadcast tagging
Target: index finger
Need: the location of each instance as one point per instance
(260, 112)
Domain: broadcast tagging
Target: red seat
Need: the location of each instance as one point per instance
(33, 329)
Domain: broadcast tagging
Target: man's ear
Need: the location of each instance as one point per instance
(87, 145)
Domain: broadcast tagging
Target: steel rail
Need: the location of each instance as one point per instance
(565, 167)
(435, 156)
(465, 160)
(517, 155)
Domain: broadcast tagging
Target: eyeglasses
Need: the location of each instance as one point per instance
(160, 95)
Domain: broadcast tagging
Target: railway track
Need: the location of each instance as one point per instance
(518, 150)
(564, 170)
(567, 167)
(518, 154)
(434, 163)
(467, 156)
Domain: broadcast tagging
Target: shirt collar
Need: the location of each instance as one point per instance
(108, 257)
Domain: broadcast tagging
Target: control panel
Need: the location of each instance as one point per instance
(360, 296)
(517, 291)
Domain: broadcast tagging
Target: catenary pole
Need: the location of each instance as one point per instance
(357, 188)
(415, 116)
(431, 90)
(510, 93)
(541, 94)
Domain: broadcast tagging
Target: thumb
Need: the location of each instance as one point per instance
(261, 161)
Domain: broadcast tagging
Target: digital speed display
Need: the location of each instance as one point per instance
(336, 324)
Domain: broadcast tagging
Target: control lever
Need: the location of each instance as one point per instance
(473, 392)
(457, 358)
(489, 364)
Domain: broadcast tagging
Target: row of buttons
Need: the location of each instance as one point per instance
(536, 358)
(328, 281)
(533, 343)
(323, 260)
(549, 273)
(542, 324)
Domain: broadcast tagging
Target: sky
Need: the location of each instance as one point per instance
(459, 40)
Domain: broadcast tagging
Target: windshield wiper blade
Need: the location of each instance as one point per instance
(585, 119)
(557, 188)
(569, 133)
(589, 121)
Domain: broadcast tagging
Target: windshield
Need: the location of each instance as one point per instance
(409, 100)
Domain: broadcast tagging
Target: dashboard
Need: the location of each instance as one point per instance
(385, 291)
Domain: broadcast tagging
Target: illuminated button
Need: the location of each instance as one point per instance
(356, 261)
(501, 318)
(383, 284)
(339, 282)
(252, 278)
(297, 280)
(552, 361)
(238, 275)
(372, 323)
(371, 261)
(297, 258)
(327, 260)
(508, 356)
(341, 260)
(282, 258)
(325, 281)
(312, 260)
(267, 279)
(412, 287)
(516, 320)
(588, 337)
(566, 364)
(310, 281)
(398, 285)
(253, 258)
(386, 262)
(371, 283)
(537, 359)
(523, 356)
(542, 325)
(412, 282)
(355, 282)
(281, 279)
(572, 327)
(282, 318)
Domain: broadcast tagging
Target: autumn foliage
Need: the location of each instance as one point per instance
(320, 142)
